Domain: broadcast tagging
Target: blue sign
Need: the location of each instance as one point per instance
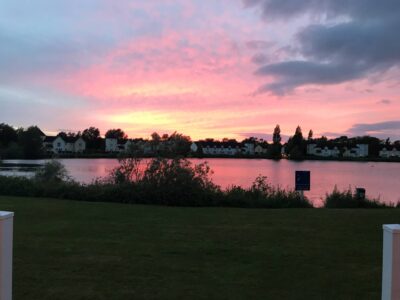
(302, 180)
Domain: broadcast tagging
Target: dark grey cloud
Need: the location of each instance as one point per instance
(259, 58)
(384, 101)
(258, 44)
(381, 126)
(361, 9)
(291, 74)
(381, 130)
(365, 44)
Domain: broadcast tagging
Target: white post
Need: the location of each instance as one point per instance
(391, 262)
(6, 242)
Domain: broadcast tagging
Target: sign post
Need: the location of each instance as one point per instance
(302, 180)
(6, 242)
(391, 262)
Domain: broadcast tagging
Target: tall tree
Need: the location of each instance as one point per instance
(310, 135)
(276, 136)
(31, 142)
(92, 137)
(296, 145)
(116, 134)
(274, 150)
(7, 135)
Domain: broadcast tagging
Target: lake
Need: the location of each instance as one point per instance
(380, 179)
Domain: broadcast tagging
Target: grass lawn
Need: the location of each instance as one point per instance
(79, 250)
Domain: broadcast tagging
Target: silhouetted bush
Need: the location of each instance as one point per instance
(348, 199)
(52, 171)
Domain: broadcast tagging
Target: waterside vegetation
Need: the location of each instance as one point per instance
(171, 182)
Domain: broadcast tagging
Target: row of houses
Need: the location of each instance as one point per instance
(359, 151)
(230, 148)
(67, 144)
(64, 144)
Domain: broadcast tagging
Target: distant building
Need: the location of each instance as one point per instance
(229, 148)
(59, 144)
(261, 149)
(332, 151)
(389, 151)
(115, 145)
(361, 150)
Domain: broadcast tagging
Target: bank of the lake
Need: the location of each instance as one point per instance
(380, 179)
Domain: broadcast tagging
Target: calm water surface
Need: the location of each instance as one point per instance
(379, 179)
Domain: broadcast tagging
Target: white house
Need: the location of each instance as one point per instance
(389, 151)
(361, 150)
(260, 149)
(111, 145)
(218, 148)
(61, 144)
(313, 149)
(248, 149)
(79, 145)
(115, 145)
(194, 147)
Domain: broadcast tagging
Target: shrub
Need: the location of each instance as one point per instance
(348, 199)
(261, 194)
(52, 171)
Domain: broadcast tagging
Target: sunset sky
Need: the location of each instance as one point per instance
(206, 68)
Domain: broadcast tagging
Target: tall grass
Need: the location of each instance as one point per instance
(349, 199)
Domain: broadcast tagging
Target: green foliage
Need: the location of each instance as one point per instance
(7, 135)
(92, 138)
(52, 171)
(276, 136)
(263, 195)
(116, 134)
(31, 143)
(348, 199)
(296, 145)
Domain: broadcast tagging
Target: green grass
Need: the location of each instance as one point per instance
(81, 250)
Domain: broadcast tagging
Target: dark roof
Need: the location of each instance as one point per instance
(390, 147)
(69, 139)
(49, 139)
(219, 144)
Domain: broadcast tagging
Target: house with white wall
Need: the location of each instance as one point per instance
(60, 144)
(389, 152)
(261, 149)
(360, 150)
(327, 151)
(216, 148)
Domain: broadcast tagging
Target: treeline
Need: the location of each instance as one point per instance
(28, 143)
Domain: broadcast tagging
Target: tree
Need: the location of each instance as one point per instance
(276, 136)
(296, 145)
(31, 142)
(180, 144)
(155, 142)
(92, 137)
(274, 150)
(310, 135)
(7, 135)
(118, 134)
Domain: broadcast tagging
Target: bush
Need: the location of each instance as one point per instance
(262, 195)
(52, 171)
(348, 199)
